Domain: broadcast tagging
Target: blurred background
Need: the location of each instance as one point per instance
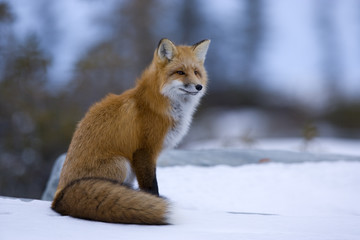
(277, 68)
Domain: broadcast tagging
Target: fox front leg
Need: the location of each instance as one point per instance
(144, 166)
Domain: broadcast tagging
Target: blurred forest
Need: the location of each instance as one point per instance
(37, 122)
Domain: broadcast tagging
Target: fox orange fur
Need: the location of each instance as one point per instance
(121, 137)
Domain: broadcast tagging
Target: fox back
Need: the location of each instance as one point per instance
(121, 137)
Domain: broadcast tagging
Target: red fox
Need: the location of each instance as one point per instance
(121, 136)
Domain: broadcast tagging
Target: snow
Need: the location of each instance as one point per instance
(311, 200)
(317, 145)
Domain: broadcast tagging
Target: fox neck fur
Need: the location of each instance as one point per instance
(179, 109)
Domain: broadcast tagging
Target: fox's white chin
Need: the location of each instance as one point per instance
(188, 92)
(176, 90)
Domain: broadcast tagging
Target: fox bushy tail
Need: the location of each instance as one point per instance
(108, 201)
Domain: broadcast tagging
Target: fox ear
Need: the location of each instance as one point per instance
(166, 49)
(200, 49)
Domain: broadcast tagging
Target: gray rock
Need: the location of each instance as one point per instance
(53, 181)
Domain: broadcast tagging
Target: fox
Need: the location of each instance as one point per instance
(120, 138)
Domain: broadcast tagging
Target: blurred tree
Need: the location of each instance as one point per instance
(6, 36)
(49, 25)
(35, 126)
(5, 13)
(191, 21)
(251, 38)
(239, 73)
(345, 116)
(329, 45)
(115, 63)
(341, 113)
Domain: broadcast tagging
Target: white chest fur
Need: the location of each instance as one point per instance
(181, 112)
(182, 109)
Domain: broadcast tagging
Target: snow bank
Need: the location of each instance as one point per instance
(212, 157)
(262, 201)
(315, 146)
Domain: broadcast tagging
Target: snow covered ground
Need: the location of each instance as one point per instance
(317, 145)
(255, 201)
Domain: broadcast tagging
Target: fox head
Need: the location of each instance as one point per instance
(181, 69)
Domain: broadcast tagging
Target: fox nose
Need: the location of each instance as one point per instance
(198, 87)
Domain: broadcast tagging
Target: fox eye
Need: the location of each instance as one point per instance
(197, 73)
(180, 72)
